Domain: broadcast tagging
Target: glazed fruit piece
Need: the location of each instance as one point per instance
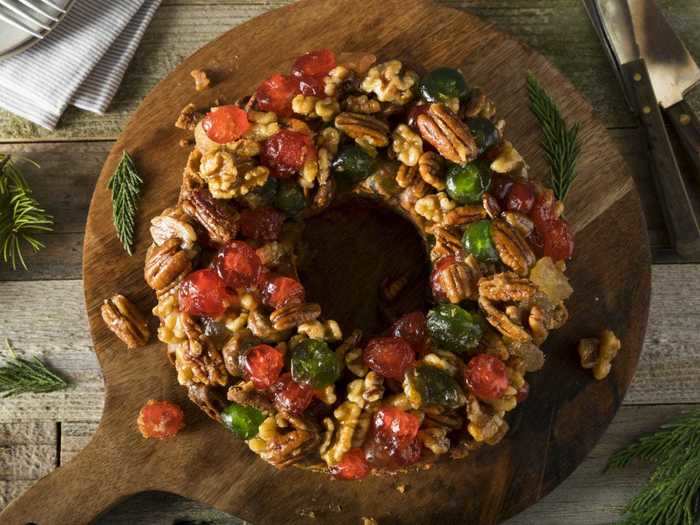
(203, 292)
(454, 329)
(310, 70)
(286, 151)
(437, 387)
(238, 265)
(556, 235)
(353, 466)
(281, 291)
(290, 198)
(353, 164)
(389, 356)
(261, 224)
(392, 441)
(467, 184)
(520, 198)
(225, 124)
(242, 420)
(412, 329)
(314, 363)
(477, 241)
(262, 365)
(485, 133)
(276, 94)
(443, 84)
(485, 375)
(160, 419)
(290, 396)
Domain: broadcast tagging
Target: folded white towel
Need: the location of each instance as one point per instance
(82, 62)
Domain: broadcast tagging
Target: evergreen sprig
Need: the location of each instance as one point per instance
(125, 185)
(21, 216)
(20, 375)
(561, 143)
(671, 496)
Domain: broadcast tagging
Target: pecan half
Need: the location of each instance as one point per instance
(365, 129)
(164, 227)
(125, 321)
(512, 247)
(247, 395)
(165, 264)
(220, 220)
(294, 315)
(465, 214)
(459, 282)
(202, 356)
(211, 400)
(490, 204)
(502, 322)
(507, 286)
(447, 242)
(449, 135)
(520, 222)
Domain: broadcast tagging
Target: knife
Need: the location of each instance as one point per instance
(613, 22)
(672, 70)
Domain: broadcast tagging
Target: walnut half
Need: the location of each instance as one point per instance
(125, 320)
(598, 353)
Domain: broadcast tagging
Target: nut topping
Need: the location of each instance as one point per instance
(294, 315)
(220, 220)
(125, 321)
(449, 135)
(365, 129)
(165, 264)
(512, 247)
(164, 227)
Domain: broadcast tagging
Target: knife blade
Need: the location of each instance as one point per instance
(672, 69)
(618, 31)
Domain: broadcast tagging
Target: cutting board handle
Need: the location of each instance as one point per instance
(79, 491)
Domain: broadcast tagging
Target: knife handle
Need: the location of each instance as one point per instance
(678, 210)
(688, 127)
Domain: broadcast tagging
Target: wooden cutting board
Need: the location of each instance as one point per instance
(551, 433)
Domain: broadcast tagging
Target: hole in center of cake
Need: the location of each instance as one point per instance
(365, 264)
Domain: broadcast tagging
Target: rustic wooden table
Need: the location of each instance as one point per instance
(42, 313)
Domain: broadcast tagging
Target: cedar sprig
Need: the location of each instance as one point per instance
(19, 376)
(560, 143)
(21, 216)
(672, 493)
(125, 185)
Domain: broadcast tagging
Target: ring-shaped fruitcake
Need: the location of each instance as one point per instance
(260, 359)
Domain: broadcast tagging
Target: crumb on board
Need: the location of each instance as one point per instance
(201, 80)
(401, 487)
(369, 521)
(184, 143)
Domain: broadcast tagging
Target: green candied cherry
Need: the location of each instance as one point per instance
(453, 328)
(467, 184)
(268, 191)
(242, 420)
(442, 84)
(353, 164)
(314, 363)
(437, 387)
(477, 241)
(290, 198)
(484, 131)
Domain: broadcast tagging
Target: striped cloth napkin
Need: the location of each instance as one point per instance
(82, 62)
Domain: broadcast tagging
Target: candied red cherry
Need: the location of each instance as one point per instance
(160, 419)
(500, 186)
(543, 210)
(520, 197)
(262, 365)
(261, 224)
(203, 292)
(393, 438)
(412, 329)
(225, 124)
(312, 86)
(389, 356)
(558, 240)
(276, 94)
(352, 466)
(281, 291)
(317, 63)
(286, 151)
(238, 265)
(290, 396)
(486, 376)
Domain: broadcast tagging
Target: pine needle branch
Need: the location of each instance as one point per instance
(672, 493)
(19, 376)
(21, 216)
(560, 143)
(125, 185)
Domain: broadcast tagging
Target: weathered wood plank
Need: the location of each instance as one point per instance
(667, 371)
(69, 170)
(180, 27)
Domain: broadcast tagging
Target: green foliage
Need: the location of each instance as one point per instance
(561, 143)
(672, 493)
(125, 185)
(20, 375)
(21, 216)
